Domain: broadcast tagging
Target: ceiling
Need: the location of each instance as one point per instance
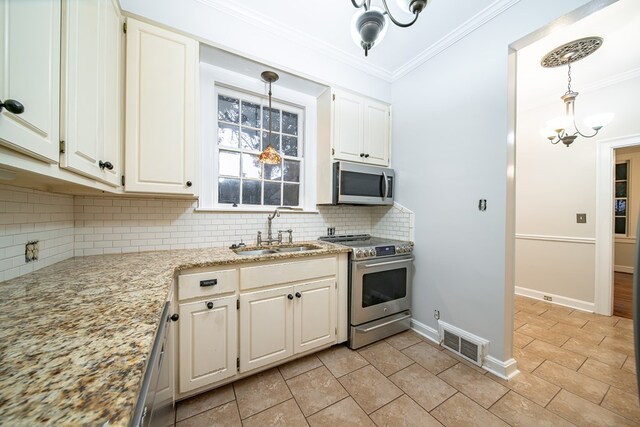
(325, 25)
(618, 58)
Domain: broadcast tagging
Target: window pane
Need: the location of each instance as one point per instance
(290, 145)
(289, 123)
(228, 109)
(621, 171)
(621, 225)
(275, 126)
(229, 163)
(291, 195)
(228, 190)
(621, 207)
(251, 192)
(275, 140)
(273, 172)
(250, 139)
(272, 194)
(621, 189)
(250, 114)
(250, 166)
(227, 135)
(291, 171)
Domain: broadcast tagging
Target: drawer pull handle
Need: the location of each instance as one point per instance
(210, 282)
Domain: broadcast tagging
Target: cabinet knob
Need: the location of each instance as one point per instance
(366, 156)
(298, 295)
(209, 305)
(175, 317)
(290, 296)
(105, 165)
(189, 183)
(361, 154)
(12, 106)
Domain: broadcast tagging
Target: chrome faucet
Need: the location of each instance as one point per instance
(270, 240)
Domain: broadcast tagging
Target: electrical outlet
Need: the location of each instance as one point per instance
(31, 251)
(547, 298)
(581, 218)
(436, 314)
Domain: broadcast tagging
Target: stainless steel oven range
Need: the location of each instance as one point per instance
(380, 276)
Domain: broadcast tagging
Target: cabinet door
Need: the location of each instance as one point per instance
(92, 100)
(161, 75)
(314, 315)
(208, 342)
(376, 133)
(348, 119)
(266, 328)
(30, 64)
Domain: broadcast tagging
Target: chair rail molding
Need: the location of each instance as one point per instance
(563, 239)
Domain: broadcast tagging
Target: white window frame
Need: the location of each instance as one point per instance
(214, 80)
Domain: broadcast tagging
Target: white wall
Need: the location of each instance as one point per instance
(227, 31)
(553, 184)
(450, 149)
(27, 215)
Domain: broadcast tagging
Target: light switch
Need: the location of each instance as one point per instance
(581, 218)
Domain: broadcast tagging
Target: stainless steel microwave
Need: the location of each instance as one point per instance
(357, 184)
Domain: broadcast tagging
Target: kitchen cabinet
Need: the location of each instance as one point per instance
(278, 323)
(92, 96)
(361, 128)
(208, 342)
(160, 121)
(30, 64)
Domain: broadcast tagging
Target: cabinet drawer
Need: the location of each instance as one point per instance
(208, 283)
(287, 272)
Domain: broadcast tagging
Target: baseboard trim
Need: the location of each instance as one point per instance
(426, 331)
(505, 370)
(623, 269)
(556, 299)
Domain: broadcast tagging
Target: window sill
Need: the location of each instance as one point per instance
(256, 210)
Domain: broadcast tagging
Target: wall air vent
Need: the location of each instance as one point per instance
(469, 346)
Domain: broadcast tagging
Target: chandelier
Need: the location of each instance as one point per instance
(369, 24)
(558, 128)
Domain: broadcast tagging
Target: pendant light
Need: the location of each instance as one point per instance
(558, 128)
(270, 156)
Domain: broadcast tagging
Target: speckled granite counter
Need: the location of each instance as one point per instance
(75, 336)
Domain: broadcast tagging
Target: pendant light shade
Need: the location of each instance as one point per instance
(269, 155)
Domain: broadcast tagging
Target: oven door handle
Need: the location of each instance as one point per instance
(405, 317)
(382, 264)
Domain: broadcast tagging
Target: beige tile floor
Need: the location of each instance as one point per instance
(576, 369)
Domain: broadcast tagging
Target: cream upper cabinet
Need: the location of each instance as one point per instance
(208, 342)
(361, 128)
(30, 64)
(314, 314)
(160, 123)
(93, 87)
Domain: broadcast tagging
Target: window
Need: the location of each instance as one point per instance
(621, 201)
(242, 132)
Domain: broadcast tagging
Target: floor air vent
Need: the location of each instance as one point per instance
(463, 343)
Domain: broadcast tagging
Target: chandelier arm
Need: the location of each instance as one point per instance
(358, 6)
(398, 23)
(580, 133)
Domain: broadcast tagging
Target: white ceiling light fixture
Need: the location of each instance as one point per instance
(557, 128)
(369, 24)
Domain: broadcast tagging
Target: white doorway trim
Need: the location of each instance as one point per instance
(604, 223)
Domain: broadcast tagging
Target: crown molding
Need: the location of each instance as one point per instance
(472, 24)
(283, 30)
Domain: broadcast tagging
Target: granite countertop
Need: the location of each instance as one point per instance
(76, 335)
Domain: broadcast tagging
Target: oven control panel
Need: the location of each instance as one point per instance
(382, 251)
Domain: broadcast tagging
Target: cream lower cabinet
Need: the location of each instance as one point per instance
(278, 323)
(208, 342)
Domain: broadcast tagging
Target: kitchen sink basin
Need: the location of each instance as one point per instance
(275, 250)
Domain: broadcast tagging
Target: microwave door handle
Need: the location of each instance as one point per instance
(386, 186)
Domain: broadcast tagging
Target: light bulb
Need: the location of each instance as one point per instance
(559, 123)
(598, 121)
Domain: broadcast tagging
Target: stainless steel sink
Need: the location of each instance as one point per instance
(297, 248)
(275, 250)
